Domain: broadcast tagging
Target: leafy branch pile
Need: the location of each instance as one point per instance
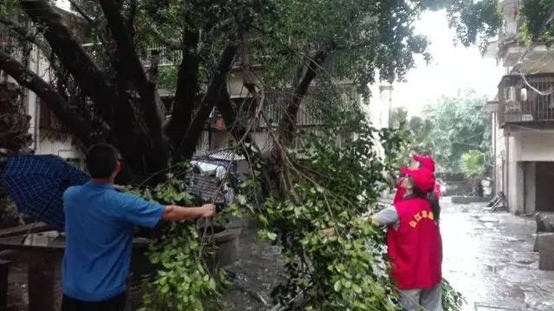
(333, 185)
(335, 180)
(183, 279)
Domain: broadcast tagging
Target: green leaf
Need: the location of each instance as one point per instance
(337, 287)
(347, 283)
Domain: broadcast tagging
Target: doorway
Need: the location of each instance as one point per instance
(544, 181)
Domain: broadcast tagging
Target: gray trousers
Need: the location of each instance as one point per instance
(430, 299)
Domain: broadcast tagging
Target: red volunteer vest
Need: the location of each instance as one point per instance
(399, 195)
(415, 248)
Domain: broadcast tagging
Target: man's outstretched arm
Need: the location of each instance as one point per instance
(178, 213)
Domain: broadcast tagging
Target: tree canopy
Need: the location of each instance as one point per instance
(537, 21)
(103, 92)
(450, 128)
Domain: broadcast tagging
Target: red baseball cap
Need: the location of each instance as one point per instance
(424, 179)
(426, 161)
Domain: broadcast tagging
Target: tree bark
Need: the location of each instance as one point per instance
(73, 56)
(236, 127)
(150, 111)
(186, 93)
(216, 92)
(154, 146)
(55, 102)
(145, 151)
(287, 126)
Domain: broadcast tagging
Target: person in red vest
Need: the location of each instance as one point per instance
(414, 242)
(419, 162)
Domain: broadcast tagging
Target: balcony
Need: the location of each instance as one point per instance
(274, 110)
(526, 101)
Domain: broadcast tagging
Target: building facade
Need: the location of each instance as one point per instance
(523, 120)
(47, 133)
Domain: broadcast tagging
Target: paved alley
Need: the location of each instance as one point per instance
(489, 258)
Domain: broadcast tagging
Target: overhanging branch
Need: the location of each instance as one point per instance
(81, 128)
(74, 58)
(24, 35)
(171, 44)
(81, 12)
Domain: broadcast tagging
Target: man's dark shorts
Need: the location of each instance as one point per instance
(116, 303)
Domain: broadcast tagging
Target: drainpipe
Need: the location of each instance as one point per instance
(507, 186)
(525, 187)
(494, 152)
(35, 105)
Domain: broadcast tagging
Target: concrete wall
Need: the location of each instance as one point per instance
(499, 157)
(520, 151)
(223, 139)
(536, 146)
(515, 186)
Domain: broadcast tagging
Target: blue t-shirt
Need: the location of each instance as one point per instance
(99, 223)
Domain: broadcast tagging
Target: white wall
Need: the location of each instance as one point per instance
(42, 144)
(380, 105)
(536, 146)
(520, 150)
(514, 175)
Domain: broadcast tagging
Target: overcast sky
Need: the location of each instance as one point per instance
(452, 68)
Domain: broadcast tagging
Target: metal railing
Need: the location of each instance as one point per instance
(510, 28)
(167, 56)
(526, 99)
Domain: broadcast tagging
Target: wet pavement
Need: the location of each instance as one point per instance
(489, 258)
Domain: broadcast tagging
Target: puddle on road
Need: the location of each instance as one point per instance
(494, 268)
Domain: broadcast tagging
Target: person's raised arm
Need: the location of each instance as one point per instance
(178, 213)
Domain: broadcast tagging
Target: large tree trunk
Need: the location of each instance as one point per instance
(138, 130)
(216, 92)
(155, 148)
(187, 91)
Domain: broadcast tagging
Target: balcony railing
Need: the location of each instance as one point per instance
(167, 56)
(510, 28)
(526, 99)
(274, 110)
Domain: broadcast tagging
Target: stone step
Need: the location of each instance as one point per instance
(545, 222)
(544, 241)
(546, 260)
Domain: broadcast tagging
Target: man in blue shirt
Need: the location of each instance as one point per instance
(99, 223)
